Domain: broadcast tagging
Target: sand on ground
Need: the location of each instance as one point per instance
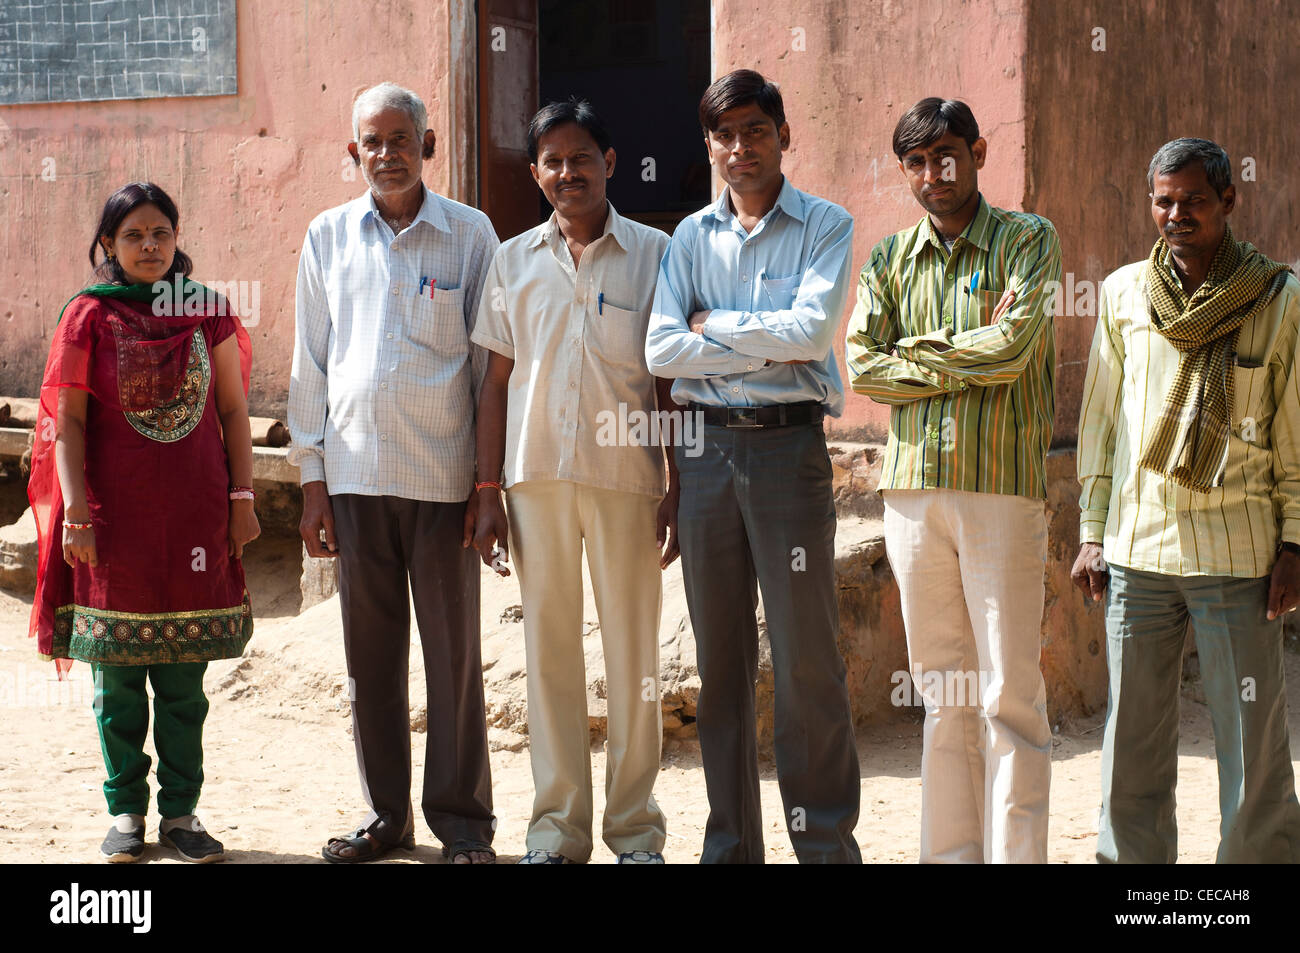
(281, 772)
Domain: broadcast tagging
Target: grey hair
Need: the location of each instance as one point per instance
(1177, 153)
(389, 96)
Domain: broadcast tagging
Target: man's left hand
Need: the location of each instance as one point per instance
(1284, 586)
(697, 321)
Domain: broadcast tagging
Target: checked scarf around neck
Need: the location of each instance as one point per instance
(1189, 444)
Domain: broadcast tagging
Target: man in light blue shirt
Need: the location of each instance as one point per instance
(746, 312)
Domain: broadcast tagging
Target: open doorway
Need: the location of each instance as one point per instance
(642, 64)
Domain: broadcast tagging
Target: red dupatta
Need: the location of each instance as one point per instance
(148, 352)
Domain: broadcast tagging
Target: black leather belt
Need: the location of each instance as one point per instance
(757, 418)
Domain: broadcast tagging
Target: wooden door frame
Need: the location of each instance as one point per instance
(462, 107)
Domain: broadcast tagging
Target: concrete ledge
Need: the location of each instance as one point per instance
(13, 442)
(271, 465)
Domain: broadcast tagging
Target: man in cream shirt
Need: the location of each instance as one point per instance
(1189, 459)
(564, 313)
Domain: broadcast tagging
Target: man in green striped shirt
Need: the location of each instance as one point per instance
(953, 329)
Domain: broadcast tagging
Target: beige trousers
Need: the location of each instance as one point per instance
(550, 520)
(970, 571)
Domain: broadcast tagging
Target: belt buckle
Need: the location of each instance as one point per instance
(743, 418)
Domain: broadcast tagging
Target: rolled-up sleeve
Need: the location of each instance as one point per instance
(492, 331)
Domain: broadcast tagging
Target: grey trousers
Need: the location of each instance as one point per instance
(384, 541)
(756, 507)
(1241, 665)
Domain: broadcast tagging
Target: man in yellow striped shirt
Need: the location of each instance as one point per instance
(953, 329)
(1191, 512)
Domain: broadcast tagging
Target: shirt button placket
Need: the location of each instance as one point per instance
(930, 477)
(569, 429)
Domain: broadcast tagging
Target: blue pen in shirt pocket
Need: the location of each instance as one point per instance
(435, 288)
(780, 292)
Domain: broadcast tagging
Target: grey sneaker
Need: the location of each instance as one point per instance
(123, 847)
(641, 857)
(194, 843)
(543, 857)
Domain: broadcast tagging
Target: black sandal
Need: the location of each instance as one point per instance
(365, 849)
(469, 848)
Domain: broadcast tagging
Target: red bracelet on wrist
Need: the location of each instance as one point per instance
(491, 483)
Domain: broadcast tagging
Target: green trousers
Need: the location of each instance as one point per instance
(1240, 652)
(122, 714)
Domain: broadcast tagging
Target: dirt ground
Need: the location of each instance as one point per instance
(281, 773)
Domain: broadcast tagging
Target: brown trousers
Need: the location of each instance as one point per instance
(384, 541)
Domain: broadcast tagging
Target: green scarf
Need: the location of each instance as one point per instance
(138, 292)
(1189, 444)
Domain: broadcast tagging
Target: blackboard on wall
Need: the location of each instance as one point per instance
(55, 51)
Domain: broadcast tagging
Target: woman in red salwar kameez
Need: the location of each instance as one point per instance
(142, 491)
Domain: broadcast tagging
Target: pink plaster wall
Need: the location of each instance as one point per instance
(1220, 72)
(248, 171)
(864, 64)
(1070, 131)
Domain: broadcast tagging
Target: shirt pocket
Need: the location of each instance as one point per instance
(618, 336)
(1252, 403)
(780, 292)
(975, 308)
(438, 323)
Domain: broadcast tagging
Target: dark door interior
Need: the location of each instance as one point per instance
(642, 64)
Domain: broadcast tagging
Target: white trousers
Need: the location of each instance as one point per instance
(550, 523)
(970, 571)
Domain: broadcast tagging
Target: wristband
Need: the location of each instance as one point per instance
(487, 483)
(70, 525)
(242, 493)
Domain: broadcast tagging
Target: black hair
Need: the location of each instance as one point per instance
(574, 110)
(931, 119)
(1177, 153)
(121, 204)
(740, 88)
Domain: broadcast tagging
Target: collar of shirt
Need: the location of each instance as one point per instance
(788, 201)
(978, 233)
(431, 212)
(550, 234)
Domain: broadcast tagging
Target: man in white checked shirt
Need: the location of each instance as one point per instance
(381, 407)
